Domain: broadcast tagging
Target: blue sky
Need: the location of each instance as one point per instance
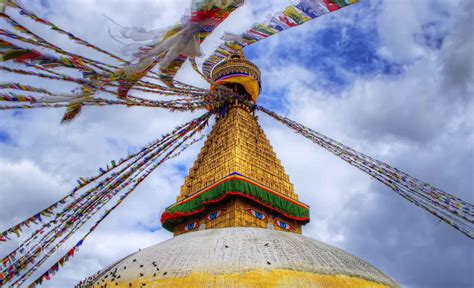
(392, 79)
(338, 51)
(334, 52)
(5, 137)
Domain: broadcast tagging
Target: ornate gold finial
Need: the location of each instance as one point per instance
(238, 54)
(238, 70)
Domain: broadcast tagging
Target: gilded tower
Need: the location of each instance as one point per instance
(237, 180)
(237, 220)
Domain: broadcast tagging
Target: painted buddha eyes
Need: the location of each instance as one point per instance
(191, 226)
(263, 216)
(215, 214)
(256, 214)
(283, 225)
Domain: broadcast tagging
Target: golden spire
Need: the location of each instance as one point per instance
(237, 180)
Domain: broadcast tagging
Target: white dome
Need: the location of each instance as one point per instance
(238, 250)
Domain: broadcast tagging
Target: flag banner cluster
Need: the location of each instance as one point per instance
(448, 208)
(96, 77)
(170, 47)
(31, 15)
(291, 16)
(122, 163)
(36, 40)
(120, 180)
(55, 267)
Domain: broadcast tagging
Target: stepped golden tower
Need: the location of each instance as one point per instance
(237, 180)
(237, 221)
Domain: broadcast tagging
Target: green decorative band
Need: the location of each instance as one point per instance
(235, 185)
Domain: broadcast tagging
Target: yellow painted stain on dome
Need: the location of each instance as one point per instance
(256, 278)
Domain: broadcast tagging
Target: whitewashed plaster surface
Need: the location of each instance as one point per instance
(235, 250)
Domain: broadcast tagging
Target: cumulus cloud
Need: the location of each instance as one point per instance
(412, 109)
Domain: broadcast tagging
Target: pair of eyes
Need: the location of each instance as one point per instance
(259, 215)
(283, 225)
(215, 214)
(191, 226)
(262, 216)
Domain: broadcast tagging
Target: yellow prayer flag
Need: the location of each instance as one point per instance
(3, 5)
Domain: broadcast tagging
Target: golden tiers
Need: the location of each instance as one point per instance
(237, 143)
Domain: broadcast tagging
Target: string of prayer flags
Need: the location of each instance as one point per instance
(3, 5)
(9, 51)
(55, 28)
(36, 40)
(47, 212)
(452, 210)
(21, 87)
(291, 16)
